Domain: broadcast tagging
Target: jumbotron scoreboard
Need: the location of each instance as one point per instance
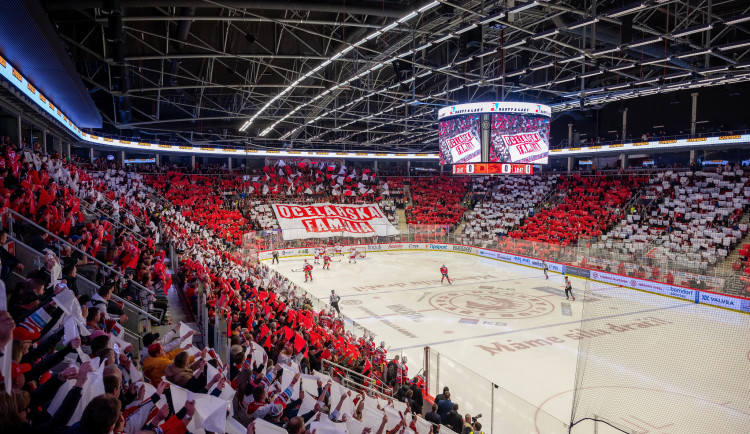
(494, 138)
(493, 169)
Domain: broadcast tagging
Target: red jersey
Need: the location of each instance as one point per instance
(444, 270)
(308, 268)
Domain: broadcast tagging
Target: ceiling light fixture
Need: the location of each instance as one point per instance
(686, 32)
(734, 46)
(523, 7)
(645, 42)
(737, 20)
(627, 10)
(583, 23)
(289, 88)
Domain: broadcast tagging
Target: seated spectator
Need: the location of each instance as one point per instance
(155, 366)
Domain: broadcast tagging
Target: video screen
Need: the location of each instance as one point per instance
(460, 140)
(519, 139)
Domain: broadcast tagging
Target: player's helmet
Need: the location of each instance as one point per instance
(566, 278)
(382, 344)
(404, 359)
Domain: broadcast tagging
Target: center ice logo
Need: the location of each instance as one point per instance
(491, 304)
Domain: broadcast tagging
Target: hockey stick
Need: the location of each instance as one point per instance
(335, 260)
(297, 270)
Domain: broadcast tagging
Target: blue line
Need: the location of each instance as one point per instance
(540, 327)
(440, 286)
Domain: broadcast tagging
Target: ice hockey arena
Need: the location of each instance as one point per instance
(375, 217)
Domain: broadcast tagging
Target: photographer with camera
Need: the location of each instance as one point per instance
(471, 425)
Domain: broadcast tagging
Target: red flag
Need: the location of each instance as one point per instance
(306, 319)
(44, 198)
(287, 333)
(263, 331)
(299, 342)
(315, 337)
(267, 344)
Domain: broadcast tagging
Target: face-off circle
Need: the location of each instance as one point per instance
(351, 302)
(491, 304)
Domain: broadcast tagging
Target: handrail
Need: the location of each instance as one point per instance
(84, 279)
(350, 372)
(89, 257)
(134, 307)
(92, 209)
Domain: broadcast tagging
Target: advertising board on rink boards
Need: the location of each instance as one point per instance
(696, 296)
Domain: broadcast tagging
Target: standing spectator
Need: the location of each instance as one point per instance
(444, 407)
(433, 416)
(454, 420)
(417, 396)
(442, 396)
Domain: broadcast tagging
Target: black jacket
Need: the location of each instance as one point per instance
(455, 421)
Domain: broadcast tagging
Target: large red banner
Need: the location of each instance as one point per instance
(323, 220)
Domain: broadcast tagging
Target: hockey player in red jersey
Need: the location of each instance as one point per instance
(379, 357)
(308, 271)
(444, 272)
(326, 261)
(402, 375)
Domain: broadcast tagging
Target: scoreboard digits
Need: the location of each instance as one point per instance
(493, 169)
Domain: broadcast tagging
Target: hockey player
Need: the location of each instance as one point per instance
(353, 255)
(568, 289)
(317, 255)
(326, 261)
(444, 272)
(402, 376)
(308, 271)
(339, 249)
(275, 256)
(545, 268)
(379, 357)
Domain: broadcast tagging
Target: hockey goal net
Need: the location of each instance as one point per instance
(250, 244)
(361, 251)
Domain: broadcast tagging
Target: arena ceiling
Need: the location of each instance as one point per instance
(371, 74)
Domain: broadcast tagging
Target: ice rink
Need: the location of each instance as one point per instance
(506, 324)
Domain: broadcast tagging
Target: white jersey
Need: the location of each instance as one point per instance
(338, 249)
(353, 253)
(317, 253)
